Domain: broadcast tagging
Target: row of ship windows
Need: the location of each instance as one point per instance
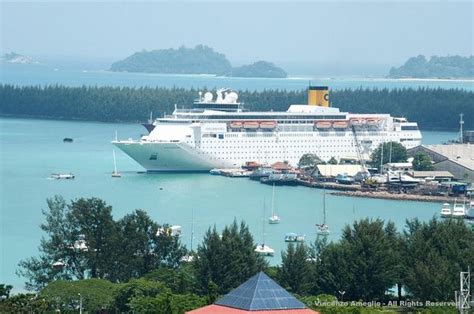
(351, 141)
(299, 134)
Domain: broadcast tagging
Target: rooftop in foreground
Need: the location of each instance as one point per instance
(260, 294)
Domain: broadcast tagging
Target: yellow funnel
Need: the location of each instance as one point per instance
(318, 96)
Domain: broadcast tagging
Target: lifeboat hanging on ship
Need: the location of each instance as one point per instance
(323, 125)
(268, 124)
(340, 125)
(357, 121)
(251, 125)
(236, 125)
(373, 122)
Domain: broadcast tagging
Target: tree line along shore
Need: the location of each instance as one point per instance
(125, 265)
(433, 109)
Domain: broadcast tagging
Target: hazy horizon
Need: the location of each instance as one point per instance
(302, 37)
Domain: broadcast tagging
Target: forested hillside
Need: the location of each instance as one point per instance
(431, 108)
(436, 67)
(198, 60)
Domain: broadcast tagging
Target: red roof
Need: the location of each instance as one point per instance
(217, 309)
(281, 166)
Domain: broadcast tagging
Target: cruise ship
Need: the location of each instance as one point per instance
(218, 132)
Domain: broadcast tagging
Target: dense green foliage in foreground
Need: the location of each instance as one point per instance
(431, 108)
(370, 259)
(436, 67)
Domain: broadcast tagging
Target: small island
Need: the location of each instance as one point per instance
(198, 60)
(14, 57)
(449, 67)
(259, 69)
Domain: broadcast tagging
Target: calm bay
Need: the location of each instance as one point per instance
(33, 149)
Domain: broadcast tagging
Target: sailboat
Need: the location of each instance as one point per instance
(262, 248)
(274, 219)
(323, 229)
(115, 174)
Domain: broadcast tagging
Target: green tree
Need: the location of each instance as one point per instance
(392, 152)
(295, 269)
(5, 291)
(227, 261)
(82, 240)
(180, 280)
(137, 288)
(97, 295)
(309, 161)
(24, 303)
(436, 251)
(422, 162)
(91, 220)
(362, 264)
(332, 161)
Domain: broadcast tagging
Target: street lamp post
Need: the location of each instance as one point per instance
(342, 292)
(80, 303)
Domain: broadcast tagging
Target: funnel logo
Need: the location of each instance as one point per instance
(326, 97)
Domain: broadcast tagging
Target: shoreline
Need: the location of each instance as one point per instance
(396, 197)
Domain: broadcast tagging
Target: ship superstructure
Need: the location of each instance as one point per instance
(217, 132)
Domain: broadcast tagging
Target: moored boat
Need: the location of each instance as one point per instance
(459, 210)
(446, 211)
(62, 176)
(293, 237)
(264, 250)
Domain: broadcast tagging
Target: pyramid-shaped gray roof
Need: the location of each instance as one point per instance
(260, 293)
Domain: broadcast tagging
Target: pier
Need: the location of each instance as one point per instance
(398, 196)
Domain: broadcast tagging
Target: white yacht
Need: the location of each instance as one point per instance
(218, 132)
(459, 210)
(446, 211)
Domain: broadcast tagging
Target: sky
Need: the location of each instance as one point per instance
(293, 33)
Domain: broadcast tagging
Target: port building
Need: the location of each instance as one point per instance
(258, 295)
(458, 159)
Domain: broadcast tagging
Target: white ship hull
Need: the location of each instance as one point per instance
(186, 157)
(220, 134)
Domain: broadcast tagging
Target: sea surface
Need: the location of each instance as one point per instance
(30, 150)
(79, 75)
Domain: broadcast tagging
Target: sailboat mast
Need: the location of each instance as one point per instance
(263, 223)
(324, 204)
(115, 162)
(273, 199)
(192, 228)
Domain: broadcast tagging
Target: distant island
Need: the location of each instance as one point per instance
(436, 67)
(259, 69)
(14, 57)
(198, 60)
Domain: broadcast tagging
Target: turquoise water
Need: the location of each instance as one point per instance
(21, 74)
(30, 150)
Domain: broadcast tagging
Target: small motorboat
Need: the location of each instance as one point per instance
(459, 210)
(293, 237)
(68, 140)
(446, 211)
(273, 220)
(62, 176)
(264, 250)
(174, 231)
(322, 229)
(215, 171)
